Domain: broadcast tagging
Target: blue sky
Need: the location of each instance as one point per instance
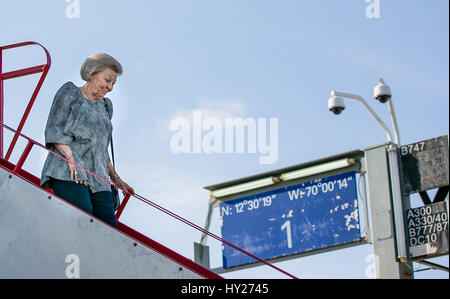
(237, 58)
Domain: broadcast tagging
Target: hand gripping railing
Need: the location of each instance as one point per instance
(44, 68)
(17, 169)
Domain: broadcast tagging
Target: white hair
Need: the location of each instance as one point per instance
(97, 63)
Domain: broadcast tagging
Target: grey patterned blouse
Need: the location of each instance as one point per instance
(85, 125)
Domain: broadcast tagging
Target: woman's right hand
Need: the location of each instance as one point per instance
(74, 172)
(67, 153)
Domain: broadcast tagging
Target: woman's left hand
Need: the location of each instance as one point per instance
(124, 186)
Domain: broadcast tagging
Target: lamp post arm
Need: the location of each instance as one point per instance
(394, 122)
(359, 98)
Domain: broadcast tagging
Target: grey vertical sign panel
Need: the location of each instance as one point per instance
(424, 165)
(427, 228)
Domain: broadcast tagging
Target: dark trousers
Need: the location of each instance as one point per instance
(98, 204)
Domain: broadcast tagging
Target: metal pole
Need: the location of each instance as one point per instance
(394, 122)
(212, 202)
(1, 103)
(362, 177)
(397, 201)
(381, 212)
(201, 250)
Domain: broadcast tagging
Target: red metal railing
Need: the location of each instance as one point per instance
(122, 228)
(17, 170)
(44, 68)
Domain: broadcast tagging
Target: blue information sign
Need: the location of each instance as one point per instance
(291, 220)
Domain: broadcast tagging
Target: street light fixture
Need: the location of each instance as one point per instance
(316, 169)
(382, 93)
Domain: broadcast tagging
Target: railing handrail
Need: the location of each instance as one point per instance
(44, 68)
(168, 253)
(142, 199)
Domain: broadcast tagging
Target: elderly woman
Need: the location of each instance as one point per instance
(79, 128)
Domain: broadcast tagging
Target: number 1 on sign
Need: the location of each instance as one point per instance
(287, 226)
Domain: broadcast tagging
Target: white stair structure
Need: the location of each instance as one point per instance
(42, 236)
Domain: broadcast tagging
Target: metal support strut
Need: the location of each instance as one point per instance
(44, 68)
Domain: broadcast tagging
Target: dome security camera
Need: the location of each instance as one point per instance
(336, 105)
(382, 92)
